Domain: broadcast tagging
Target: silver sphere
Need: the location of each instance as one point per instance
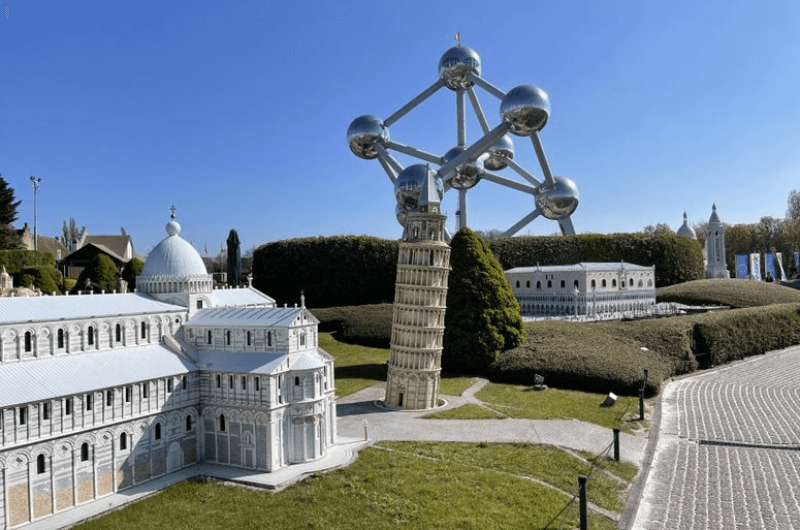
(409, 184)
(525, 109)
(467, 174)
(364, 133)
(455, 66)
(401, 212)
(558, 200)
(499, 154)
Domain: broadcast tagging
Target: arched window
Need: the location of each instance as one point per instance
(603, 283)
(649, 283)
(517, 284)
(269, 338)
(249, 338)
(641, 283)
(219, 381)
(84, 452)
(60, 339)
(594, 284)
(188, 423)
(158, 431)
(40, 464)
(528, 284)
(577, 284)
(28, 341)
(630, 282)
(90, 335)
(549, 284)
(538, 284)
(209, 336)
(123, 441)
(563, 283)
(228, 337)
(222, 422)
(296, 381)
(117, 333)
(199, 304)
(143, 330)
(613, 283)
(303, 338)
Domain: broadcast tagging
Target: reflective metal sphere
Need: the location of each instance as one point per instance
(455, 66)
(558, 200)
(525, 109)
(401, 212)
(468, 174)
(362, 135)
(499, 153)
(409, 184)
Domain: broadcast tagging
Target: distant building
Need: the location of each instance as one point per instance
(716, 267)
(685, 230)
(583, 289)
(51, 245)
(118, 248)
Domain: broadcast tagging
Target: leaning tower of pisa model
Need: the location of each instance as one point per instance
(423, 264)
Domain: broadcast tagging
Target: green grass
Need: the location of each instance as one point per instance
(469, 411)
(518, 401)
(623, 470)
(356, 367)
(455, 386)
(393, 485)
(733, 293)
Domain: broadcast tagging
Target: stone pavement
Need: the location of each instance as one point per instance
(393, 425)
(343, 454)
(728, 450)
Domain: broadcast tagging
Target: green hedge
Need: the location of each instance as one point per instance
(732, 292)
(358, 270)
(46, 279)
(16, 260)
(333, 271)
(676, 259)
(365, 324)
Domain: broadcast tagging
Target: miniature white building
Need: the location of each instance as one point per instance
(716, 267)
(685, 230)
(583, 289)
(102, 392)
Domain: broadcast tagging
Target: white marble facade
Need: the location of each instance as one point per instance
(583, 289)
(102, 392)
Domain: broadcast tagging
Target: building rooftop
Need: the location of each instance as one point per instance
(242, 296)
(583, 267)
(49, 308)
(249, 316)
(239, 362)
(40, 379)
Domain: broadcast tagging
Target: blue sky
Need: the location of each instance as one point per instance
(237, 111)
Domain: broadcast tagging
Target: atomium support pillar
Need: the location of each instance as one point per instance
(423, 265)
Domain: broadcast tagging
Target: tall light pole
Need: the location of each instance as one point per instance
(35, 182)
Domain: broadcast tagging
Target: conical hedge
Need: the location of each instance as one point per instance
(483, 317)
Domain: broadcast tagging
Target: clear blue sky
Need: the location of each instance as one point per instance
(237, 111)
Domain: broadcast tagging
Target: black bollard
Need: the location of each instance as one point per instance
(582, 480)
(616, 445)
(641, 404)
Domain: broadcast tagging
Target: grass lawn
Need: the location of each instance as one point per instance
(455, 386)
(733, 292)
(523, 402)
(465, 412)
(411, 485)
(356, 367)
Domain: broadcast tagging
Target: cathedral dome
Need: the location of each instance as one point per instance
(685, 230)
(174, 256)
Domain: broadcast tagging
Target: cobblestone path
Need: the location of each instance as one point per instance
(728, 453)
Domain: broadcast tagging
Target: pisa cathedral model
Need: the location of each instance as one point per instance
(420, 297)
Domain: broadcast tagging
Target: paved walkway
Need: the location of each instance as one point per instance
(393, 425)
(338, 456)
(728, 452)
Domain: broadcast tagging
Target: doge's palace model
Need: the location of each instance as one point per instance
(99, 393)
(524, 111)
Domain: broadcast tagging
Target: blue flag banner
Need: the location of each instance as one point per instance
(771, 266)
(742, 268)
(755, 266)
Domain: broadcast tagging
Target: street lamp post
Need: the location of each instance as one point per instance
(35, 182)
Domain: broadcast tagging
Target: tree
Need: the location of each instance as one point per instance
(483, 317)
(71, 233)
(658, 229)
(793, 211)
(9, 239)
(131, 270)
(99, 275)
(234, 258)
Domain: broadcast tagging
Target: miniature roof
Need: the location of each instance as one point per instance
(249, 316)
(174, 256)
(239, 297)
(307, 362)
(116, 244)
(65, 375)
(714, 216)
(238, 362)
(48, 308)
(584, 267)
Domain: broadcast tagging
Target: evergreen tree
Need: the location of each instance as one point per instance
(131, 270)
(234, 259)
(483, 318)
(99, 275)
(8, 214)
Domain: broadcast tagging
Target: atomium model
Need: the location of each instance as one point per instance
(524, 111)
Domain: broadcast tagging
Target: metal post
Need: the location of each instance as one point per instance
(616, 445)
(461, 118)
(462, 209)
(583, 501)
(35, 182)
(641, 404)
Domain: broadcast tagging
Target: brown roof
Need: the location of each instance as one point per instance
(116, 244)
(52, 246)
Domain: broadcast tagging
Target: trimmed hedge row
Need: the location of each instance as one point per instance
(676, 259)
(359, 270)
(16, 260)
(732, 292)
(366, 324)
